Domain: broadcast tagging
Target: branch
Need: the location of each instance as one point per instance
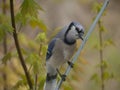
(18, 46)
(101, 57)
(83, 43)
(36, 80)
(5, 47)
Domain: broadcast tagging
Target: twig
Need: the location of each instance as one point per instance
(18, 46)
(101, 57)
(84, 41)
(5, 36)
(5, 48)
(36, 78)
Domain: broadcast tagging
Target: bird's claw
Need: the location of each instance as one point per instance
(70, 64)
(63, 76)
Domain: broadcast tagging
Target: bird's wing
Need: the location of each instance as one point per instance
(50, 48)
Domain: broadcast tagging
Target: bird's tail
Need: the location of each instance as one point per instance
(51, 82)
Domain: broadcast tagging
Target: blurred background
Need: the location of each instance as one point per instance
(56, 14)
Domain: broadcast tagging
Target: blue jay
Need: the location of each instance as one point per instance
(60, 50)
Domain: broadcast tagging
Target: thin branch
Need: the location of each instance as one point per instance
(36, 76)
(40, 48)
(84, 41)
(5, 87)
(36, 80)
(101, 57)
(5, 36)
(18, 46)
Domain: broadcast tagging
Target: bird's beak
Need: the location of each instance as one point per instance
(81, 36)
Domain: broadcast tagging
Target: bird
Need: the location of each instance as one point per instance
(60, 50)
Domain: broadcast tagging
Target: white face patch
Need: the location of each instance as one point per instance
(73, 33)
(73, 27)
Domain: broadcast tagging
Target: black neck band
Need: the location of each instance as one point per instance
(65, 37)
(69, 43)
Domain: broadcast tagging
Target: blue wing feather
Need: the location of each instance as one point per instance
(50, 49)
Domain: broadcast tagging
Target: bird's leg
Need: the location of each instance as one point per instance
(61, 75)
(70, 64)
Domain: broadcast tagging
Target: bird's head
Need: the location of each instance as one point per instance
(74, 31)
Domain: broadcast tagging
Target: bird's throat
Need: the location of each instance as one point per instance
(69, 42)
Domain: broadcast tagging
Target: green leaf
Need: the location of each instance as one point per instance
(106, 75)
(44, 50)
(5, 28)
(19, 18)
(33, 45)
(95, 77)
(6, 57)
(31, 58)
(20, 83)
(102, 29)
(41, 83)
(109, 42)
(24, 52)
(35, 22)
(23, 39)
(30, 7)
(97, 7)
(103, 64)
(34, 60)
(36, 67)
(41, 37)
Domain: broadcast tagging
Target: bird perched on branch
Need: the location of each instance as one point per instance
(60, 50)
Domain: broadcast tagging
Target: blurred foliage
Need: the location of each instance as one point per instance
(30, 7)
(34, 49)
(104, 75)
(5, 26)
(6, 57)
(28, 13)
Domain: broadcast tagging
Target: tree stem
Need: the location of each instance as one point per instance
(18, 46)
(36, 77)
(5, 36)
(5, 87)
(101, 56)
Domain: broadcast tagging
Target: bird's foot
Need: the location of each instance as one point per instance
(61, 75)
(70, 64)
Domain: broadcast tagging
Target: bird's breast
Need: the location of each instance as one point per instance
(62, 53)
